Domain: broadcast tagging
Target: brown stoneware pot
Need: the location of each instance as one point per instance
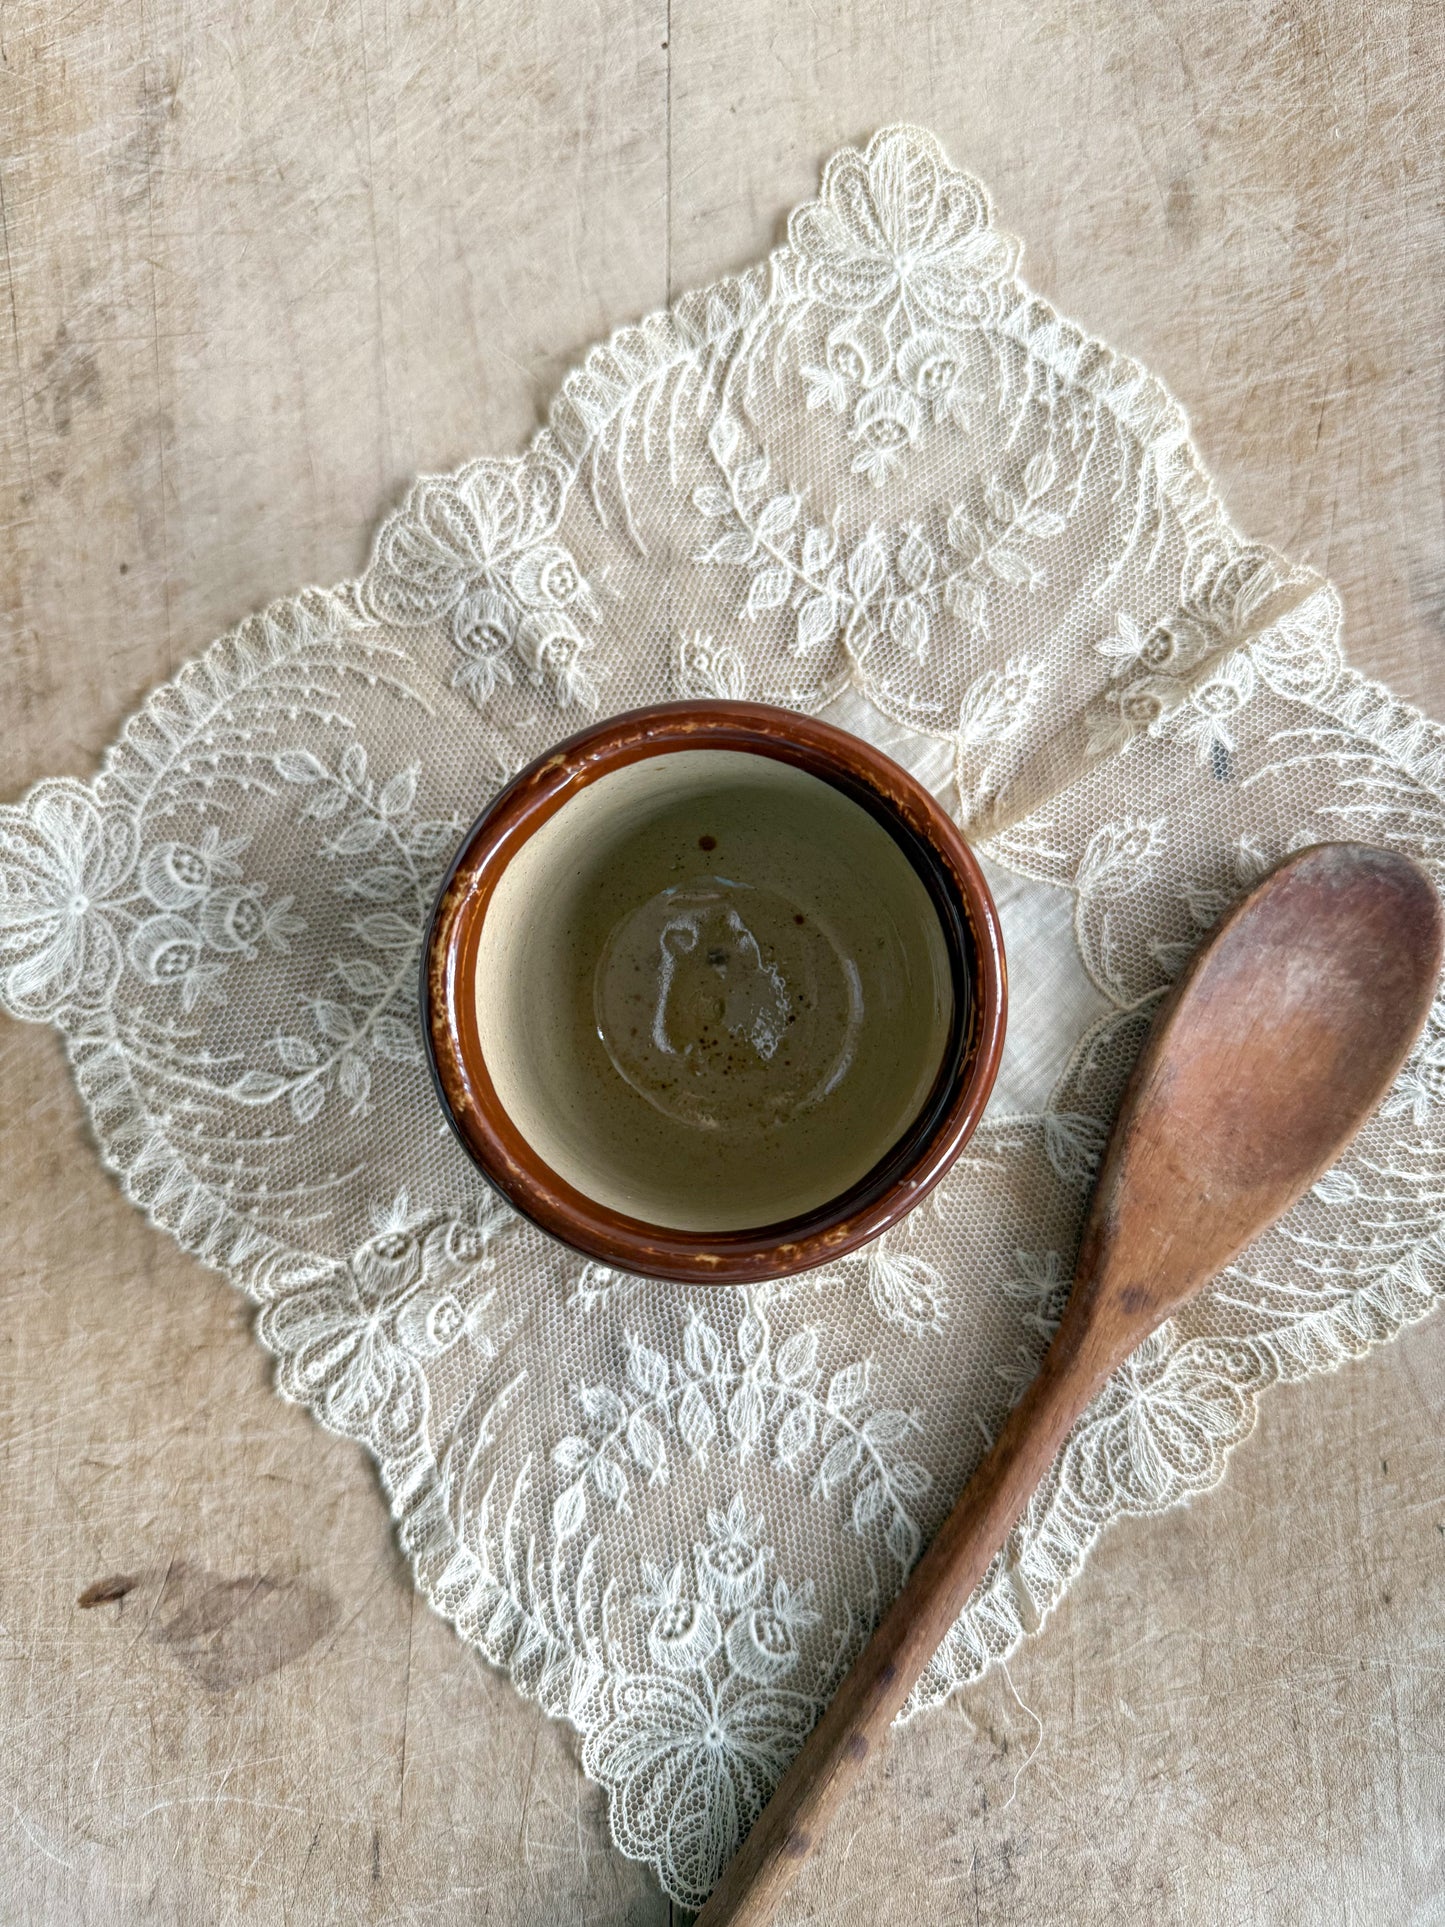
(469, 1061)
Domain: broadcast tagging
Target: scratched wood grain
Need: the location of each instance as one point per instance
(262, 264)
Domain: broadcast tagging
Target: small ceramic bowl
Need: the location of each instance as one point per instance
(714, 992)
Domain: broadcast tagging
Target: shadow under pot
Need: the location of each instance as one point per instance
(714, 992)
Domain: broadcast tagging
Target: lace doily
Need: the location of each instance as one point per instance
(873, 476)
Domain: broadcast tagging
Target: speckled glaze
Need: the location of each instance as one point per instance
(910, 1167)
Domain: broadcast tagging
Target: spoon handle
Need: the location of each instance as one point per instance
(862, 1710)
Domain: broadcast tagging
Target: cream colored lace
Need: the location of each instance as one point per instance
(876, 477)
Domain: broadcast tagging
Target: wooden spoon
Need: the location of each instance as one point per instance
(1281, 1038)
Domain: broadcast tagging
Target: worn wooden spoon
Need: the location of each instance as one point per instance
(1281, 1038)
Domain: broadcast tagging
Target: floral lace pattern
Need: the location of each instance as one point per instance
(873, 475)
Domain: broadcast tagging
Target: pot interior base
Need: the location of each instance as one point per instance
(712, 991)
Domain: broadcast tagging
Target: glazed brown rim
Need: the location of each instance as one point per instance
(911, 1166)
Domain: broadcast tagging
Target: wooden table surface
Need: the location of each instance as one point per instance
(265, 261)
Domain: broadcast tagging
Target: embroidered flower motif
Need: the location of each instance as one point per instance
(553, 648)
(1206, 720)
(684, 1633)
(354, 1339)
(237, 918)
(1129, 710)
(730, 1570)
(597, 1284)
(1223, 600)
(484, 627)
(167, 949)
(933, 366)
(389, 1264)
(176, 876)
(1119, 856)
(899, 221)
(430, 1323)
(762, 1643)
(1414, 1093)
(857, 355)
(346, 1361)
(1124, 648)
(1159, 1428)
(63, 863)
(999, 703)
(546, 577)
(886, 424)
(1225, 593)
(708, 668)
(479, 549)
(1176, 644)
(1144, 705)
(693, 1764)
(455, 531)
(905, 1289)
(1040, 1287)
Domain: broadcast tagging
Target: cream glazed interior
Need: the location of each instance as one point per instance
(712, 991)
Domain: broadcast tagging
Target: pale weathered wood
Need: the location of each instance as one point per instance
(261, 264)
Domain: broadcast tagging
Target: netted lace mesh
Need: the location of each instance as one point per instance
(874, 477)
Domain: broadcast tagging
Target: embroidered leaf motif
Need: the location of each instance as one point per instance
(916, 560)
(869, 1503)
(752, 1337)
(867, 566)
(647, 1369)
(306, 1101)
(257, 1087)
(610, 1480)
(798, 1356)
(695, 1420)
(571, 1454)
(745, 1415)
(398, 793)
(778, 516)
(1040, 473)
(819, 546)
(644, 1441)
(769, 589)
(889, 1428)
(796, 1434)
(905, 1290)
(569, 1512)
(848, 1387)
(817, 622)
(386, 931)
(701, 1346)
(904, 1539)
(395, 1039)
(839, 1463)
(601, 1403)
(362, 976)
(299, 766)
